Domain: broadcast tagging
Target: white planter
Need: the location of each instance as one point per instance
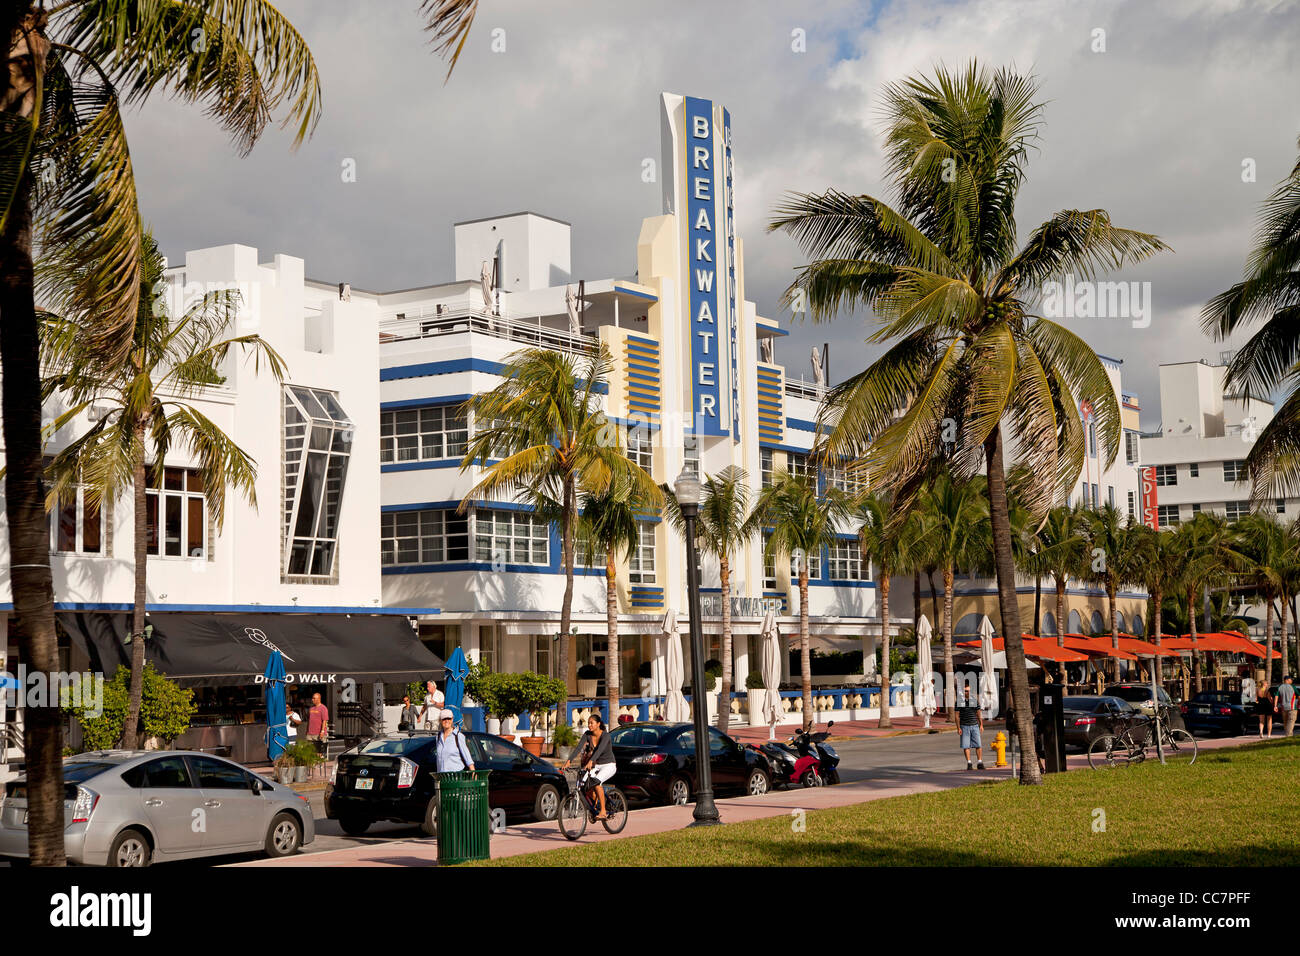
(756, 708)
(713, 706)
(508, 725)
(493, 726)
(587, 689)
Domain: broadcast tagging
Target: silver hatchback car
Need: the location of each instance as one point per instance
(134, 807)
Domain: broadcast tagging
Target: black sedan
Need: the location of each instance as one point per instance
(656, 763)
(1087, 718)
(392, 778)
(1216, 712)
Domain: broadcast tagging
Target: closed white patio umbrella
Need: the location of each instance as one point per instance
(771, 673)
(924, 693)
(675, 707)
(988, 697)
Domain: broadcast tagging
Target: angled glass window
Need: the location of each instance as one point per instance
(317, 446)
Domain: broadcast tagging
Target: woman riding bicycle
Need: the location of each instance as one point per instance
(596, 754)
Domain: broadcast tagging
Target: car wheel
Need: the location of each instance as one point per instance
(429, 825)
(354, 826)
(758, 783)
(547, 803)
(679, 791)
(284, 837)
(131, 848)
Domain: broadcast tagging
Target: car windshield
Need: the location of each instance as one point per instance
(393, 745)
(1131, 693)
(638, 736)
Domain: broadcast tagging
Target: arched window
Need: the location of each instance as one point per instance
(1123, 624)
(1075, 623)
(1098, 623)
(968, 626)
(1139, 629)
(1049, 623)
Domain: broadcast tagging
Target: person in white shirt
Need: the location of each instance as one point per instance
(432, 706)
(292, 720)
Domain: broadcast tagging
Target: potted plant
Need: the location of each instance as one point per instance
(508, 703)
(481, 685)
(713, 675)
(644, 676)
(754, 687)
(304, 756)
(587, 677)
(536, 694)
(284, 768)
(565, 740)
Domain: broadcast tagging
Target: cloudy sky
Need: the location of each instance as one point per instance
(1155, 129)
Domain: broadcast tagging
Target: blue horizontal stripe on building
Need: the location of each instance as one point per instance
(487, 566)
(639, 295)
(431, 402)
(800, 424)
(232, 608)
(451, 366)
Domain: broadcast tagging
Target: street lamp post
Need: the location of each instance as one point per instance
(687, 491)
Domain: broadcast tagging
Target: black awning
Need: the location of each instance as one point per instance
(207, 650)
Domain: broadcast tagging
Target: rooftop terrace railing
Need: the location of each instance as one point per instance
(426, 323)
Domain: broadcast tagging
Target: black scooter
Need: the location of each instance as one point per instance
(814, 745)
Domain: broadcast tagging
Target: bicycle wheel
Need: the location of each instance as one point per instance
(615, 810)
(1182, 745)
(572, 816)
(1107, 752)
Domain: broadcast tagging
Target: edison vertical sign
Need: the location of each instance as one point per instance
(697, 136)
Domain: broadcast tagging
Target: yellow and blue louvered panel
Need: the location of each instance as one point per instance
(647, 597)
(771, 403)
(641, 361)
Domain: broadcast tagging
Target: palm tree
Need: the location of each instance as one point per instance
(941, 269)
(1260, 545)
(1205, 543)
(721, 529)
(147, 397)
(1113, 541)
(951, 513)
(1063, 549)
(1160, 568)
(67, 184)
(801, 524)
(886, 542)
(545, 424)
(1269, 292)
(609, 525)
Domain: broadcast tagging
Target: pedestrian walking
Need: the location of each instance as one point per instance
(410, 716)
(1265, 707)
(451, 750)
(1286, 705)
(318, 723)
(433, 700)
(971, 721)
(292, 720)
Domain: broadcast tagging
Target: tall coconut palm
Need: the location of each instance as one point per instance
(941, 269)
(1208, 560)
(1160, 569)
(610, 525)
(1113, 542)
(1259, 543)
(801, 524)
(67, 185)
(721, 529)
(951, 513)
(545, 423)
(1269, 293)
(147, 400)
(1062, 549)
(887, 542)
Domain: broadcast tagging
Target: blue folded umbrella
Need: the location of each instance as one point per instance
(457, 669)
(277, 724)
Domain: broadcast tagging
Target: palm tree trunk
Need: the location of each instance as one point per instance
(949, 683)
(1268, 628)
(884, 651)
(131, 727)
(568, 514)
(934, 599)
(1269, 672)
(1038, 605)
(611, 636)
(1000, 520)
(29, 540)
(1060, 623)
(805, 657)
(1157, 622)
(1286, 650)
(1196, 654)
(724, 698)
(1114, 621)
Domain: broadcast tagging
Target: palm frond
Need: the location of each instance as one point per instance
(449, 21)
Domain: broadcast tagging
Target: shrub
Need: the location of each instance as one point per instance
(165, 710)
(588, 672)
(713, 668)
(754, 681)
(302, 753)
(643, 671)
(564, 735)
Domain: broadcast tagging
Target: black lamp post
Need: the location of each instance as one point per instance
(687, 491)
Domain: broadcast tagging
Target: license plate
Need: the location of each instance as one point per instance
(365, 785)
(1202, 710)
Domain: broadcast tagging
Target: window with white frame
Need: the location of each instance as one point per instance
(814, 565)
(1236, 510)
(76, 526)
(1196, 508)
(183, 529)
(846, 479)
(1092, 439)
(1131, 448)
(1167, 515)
(846, 562)
(798, 463)
(422, 434)
(1166, 475)
(640, 448)
(765, 466)
(641, 562)
(423, 537)
(317, 449)
(1132, 505)
(691, 455)
(542, 655)
(1234, 470)
(1279, 505)
(769, 565)
(515, 537)
(1194, 470)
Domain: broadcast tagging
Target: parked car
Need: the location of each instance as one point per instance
(1087, 718)
(656, 763)
(392, 778)
(136, 807)
(1216, 712)
(1139, 695)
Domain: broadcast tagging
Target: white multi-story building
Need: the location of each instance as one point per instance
(1198, 455)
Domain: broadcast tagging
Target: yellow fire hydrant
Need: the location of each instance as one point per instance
(1000, 748)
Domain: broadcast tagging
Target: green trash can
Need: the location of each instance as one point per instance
(464, 820)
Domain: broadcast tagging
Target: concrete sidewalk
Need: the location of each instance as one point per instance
(845, 729)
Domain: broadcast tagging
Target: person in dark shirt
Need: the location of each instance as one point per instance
(971, 723)
(596, 754)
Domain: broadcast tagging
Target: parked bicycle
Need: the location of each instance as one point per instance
(1130, 745)
(581, 805)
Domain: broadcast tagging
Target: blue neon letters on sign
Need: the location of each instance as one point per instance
(704, 251)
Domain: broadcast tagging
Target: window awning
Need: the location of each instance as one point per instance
(211, 650)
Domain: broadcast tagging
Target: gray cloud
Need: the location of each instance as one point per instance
(1154, 130)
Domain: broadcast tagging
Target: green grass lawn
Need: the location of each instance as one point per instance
(1235, 807)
